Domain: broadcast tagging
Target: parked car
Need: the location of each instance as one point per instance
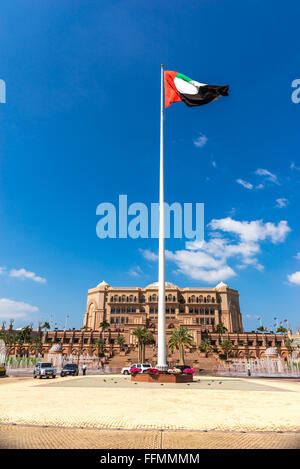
(182, 367)
(143, 366)
(69, 369)
(44, 370)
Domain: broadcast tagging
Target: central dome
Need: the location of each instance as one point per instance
(167, 285)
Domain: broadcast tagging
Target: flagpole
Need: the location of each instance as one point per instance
(161, 352)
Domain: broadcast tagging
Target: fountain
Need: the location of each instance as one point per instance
(270, 365)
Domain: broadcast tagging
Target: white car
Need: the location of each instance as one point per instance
(143, 366)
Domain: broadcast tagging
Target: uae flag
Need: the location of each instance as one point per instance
(179, 87)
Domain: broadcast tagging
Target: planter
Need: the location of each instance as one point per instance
(162, 378)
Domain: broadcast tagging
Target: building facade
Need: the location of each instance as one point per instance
(198, 309)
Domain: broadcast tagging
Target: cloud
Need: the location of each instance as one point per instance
(135, 271)
(293, 166)
(209, 261)
(149, 255)
(267, 174)
(26, 274)
(200, 141)
(2, 270)
(294, 278)
(245, 184)
(297, 256)
(281, 203)
(10, 309)
(214, 164)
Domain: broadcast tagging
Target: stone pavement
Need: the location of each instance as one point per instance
(215, 411)
(27, 437)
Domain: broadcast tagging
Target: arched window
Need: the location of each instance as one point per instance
(150, 298)
(134, 299)
(116, 298)
(208, 299)
(123, 298)
(212, 300)
(131, 298)
(201, 299)
(112, 299)
(205, 299)
(142, 309)
(189, 299)
(154, 297)
(193, 298)
(169, 297)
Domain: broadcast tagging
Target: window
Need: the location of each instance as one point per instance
(123, 298)
(112, 310)
(208, 299)
(131, 298)
(169, 297)
(112, 320)
(116, 298)
(193, 298)
(154, 297)
(201, 299)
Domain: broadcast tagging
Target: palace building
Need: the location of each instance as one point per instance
(199, 309)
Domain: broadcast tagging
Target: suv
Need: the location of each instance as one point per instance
(46, 370)
(69, 369)
(143, 366)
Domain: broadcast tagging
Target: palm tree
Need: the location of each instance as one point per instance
(36, 345)
(281, 330)
(100, 346)
(180, 338)
(205, 346)
(227, 346)
(104, 325)
(120, 340)
(221, 329)
(143, 337)
(290, 345)
(46, 325)
(25, 334)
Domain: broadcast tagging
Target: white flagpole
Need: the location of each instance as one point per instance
(161, 352)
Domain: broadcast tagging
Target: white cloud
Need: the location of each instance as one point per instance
(282, 202)
(293, 166)
(253, 231)
(200, 141)
(267, 174)
(245, 184)
(135, 271)
(10, 309)
(214, 164)
(25, 274)
(208, 261)
(297, 256)
(149, 255)
(2, 270)
(294, 278)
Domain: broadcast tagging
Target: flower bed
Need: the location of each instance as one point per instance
(162, 377)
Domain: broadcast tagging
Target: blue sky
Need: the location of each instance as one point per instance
(81, 126)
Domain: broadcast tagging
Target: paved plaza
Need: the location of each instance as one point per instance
(109, 411)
